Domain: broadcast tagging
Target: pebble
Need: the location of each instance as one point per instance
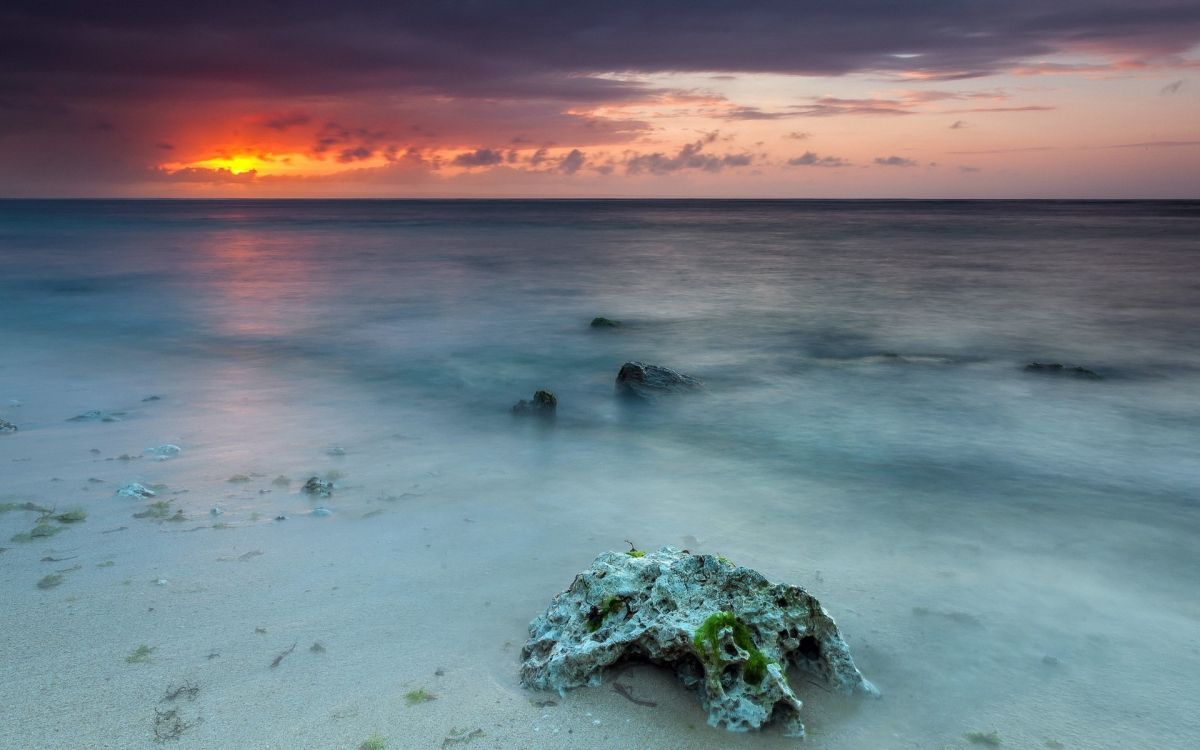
(135, 490)
(164, 451)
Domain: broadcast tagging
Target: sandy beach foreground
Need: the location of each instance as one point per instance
(425, 576)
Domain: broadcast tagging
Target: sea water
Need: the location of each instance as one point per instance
(1004, 550)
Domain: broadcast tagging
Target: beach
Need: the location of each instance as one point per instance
(1004, 550)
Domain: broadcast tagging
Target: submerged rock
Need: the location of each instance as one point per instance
(165, 451)
(647, 381)
(544, 404)
(602, 322)
(136, 491)
(727, 631)
(318, 487)
(95, 415)
(1055, 368)
(6, 426)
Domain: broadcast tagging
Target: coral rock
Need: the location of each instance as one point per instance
(136, 491)
(165, 451)
(318, 487)
(727, 631)
(647, 381)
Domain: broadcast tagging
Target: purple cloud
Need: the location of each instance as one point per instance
(482, 157)
(811, 159)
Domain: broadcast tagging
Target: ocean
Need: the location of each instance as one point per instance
(1005, 550)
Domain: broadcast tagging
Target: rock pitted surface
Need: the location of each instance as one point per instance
(544, 404)
(648, 381)
(727, 631)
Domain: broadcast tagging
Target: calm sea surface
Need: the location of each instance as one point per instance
(1004, 549)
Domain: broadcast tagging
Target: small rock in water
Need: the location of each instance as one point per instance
(1055, 368)
(281, 518)
(216, 510)
(161, 582)
(322, 512)
(95, 415)
(136, 491)
(318, 487)
(6, 426)
(544, 404)
(165, 451)
(602, 322)
(727, 631)
(647, 381)
(1050, 661)
(336, 450)
(152, 398)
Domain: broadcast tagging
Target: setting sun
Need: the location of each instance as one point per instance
(268, 164)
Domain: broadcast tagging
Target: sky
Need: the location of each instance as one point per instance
(565, 98)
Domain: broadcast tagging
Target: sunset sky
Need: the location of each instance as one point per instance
(927, 98)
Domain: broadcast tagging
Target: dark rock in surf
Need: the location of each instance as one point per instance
(648, 381)
(1055, 368)
(602, 322)
(318, 487)
(6, 426)
(95, 415)
(544, 404)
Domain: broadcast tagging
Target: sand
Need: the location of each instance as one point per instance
(441, 549)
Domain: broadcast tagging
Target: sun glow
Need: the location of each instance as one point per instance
(271, 164)
(235, 164)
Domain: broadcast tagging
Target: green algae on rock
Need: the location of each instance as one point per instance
(727, 631)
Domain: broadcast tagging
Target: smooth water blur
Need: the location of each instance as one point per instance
(966, 518)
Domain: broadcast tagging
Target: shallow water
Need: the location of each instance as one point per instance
(1003, 550)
